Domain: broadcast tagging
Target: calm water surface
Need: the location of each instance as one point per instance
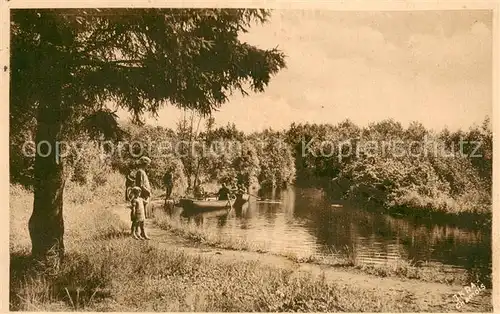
(305, 223)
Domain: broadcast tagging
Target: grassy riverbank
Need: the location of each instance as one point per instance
(126, 275)
(106, 270)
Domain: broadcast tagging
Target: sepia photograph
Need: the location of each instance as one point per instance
(251, 159)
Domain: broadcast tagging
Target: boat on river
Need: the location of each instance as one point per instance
(210, 204)
(195, 205)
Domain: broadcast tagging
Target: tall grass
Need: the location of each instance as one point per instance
(126, 275)
(86, 221)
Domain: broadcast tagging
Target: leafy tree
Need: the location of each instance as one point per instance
(216, 151)
(479, 148)
(69, 64)
(416, 131)
(187, 134)
(156, 142)
(277, 164)
(384, 130)
(299, 136)
(247, 165)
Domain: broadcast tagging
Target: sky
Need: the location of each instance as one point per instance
(428, 66)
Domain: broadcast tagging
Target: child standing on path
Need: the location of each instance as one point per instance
(138, 214)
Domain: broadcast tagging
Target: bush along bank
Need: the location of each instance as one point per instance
(451, 177)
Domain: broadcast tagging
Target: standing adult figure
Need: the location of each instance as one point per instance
(129, 184)
(142, 181)
(168, 181)
(223, 193)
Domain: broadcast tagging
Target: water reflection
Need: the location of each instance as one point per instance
(305, 223)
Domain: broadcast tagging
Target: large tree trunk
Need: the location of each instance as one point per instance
(46, 225)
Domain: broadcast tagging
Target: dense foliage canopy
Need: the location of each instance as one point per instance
(137, 58)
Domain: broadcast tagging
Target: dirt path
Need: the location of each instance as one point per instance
(430, 297)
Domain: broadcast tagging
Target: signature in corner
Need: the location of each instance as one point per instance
(467, 294)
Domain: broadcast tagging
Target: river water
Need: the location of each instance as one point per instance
(304, 223)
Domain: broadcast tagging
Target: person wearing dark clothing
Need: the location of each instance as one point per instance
(129, 183)
(241, 189)
(223, 193)
(168, 181)
(199, 192)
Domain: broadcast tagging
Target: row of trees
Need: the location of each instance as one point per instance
(440, 171)
(214, 154)
(444, 171)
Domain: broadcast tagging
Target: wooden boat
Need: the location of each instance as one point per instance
(194, 205)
